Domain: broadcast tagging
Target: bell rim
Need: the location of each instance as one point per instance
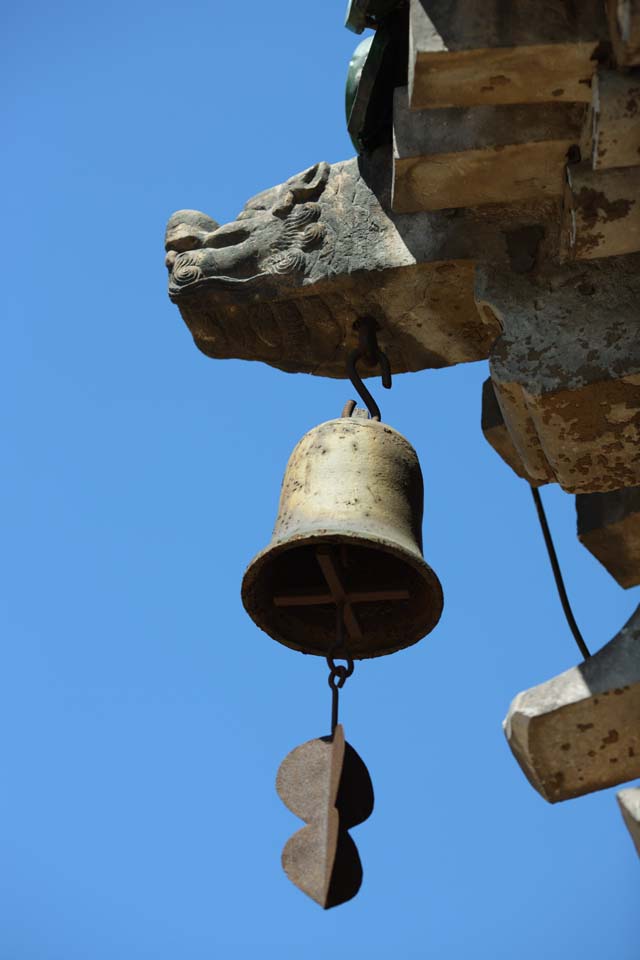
(338, 537)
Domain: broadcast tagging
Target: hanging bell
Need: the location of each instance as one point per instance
(348, 533)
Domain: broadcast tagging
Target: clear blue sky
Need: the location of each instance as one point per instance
(143, 716)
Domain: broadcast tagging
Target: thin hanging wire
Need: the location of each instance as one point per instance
(557, 573)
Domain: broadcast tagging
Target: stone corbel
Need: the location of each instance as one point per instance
(566, 370)
(580, 731)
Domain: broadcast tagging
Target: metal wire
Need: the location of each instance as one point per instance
(557, 573)
(339, 672)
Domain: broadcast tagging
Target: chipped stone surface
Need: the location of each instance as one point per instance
(609, 527)
(580, 731)
(566, 370)
(629, 803)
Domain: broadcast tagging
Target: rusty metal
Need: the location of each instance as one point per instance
(348, 532)
(369, 351)
(339, 673)
(349, 407)
(326, 784)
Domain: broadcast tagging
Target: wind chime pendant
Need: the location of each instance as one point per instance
(343, 578)
(326, 784)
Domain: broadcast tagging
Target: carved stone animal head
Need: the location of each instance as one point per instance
(286, 281)
(272, 236)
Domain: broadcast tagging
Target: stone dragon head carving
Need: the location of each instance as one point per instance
(275, 234)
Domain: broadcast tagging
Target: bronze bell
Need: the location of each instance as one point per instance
(348, 534)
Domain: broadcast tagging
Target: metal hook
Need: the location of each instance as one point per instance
(371, 352)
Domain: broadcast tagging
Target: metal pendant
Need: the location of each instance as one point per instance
(326, 784)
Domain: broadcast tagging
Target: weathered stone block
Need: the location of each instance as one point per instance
(601, 212)
(616, 120)
(495, 431)
(470, 52)
(629, 803)
(609, 527)
(580, 731)
(463, 157)
(566, 370)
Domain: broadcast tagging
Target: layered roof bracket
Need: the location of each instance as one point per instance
(469, 53)
(470, 156)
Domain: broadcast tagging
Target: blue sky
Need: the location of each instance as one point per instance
(143, 715)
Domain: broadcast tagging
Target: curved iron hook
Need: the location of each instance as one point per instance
(369, 350)
(358, 385)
